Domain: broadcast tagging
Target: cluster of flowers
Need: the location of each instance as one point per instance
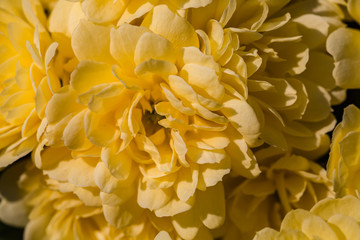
(178, 119)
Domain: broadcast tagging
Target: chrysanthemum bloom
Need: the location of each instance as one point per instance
(286, 182)
(343, 165)
(48, 209)
(162, 124)
(170, 101)
(329, 219)
(33, 67)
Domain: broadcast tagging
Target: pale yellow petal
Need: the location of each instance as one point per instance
(294, 219)
(173, 207)
(119, 163)
(211, 174)
(31, 124)
(344, 206)
(96, 133)
(92, 42)
(350, 156)
(242, 116)
(266, 234)
(314, 226)
(122, 190)
(153, 46)
(34, 14)
(88, 74)
(342, 45)
(123, 215)
(211, 206)
(176, 29)
(149, 70)
(318, 107)
(314, 29)
(74, 133)
(204, 80)
(76, 171)
(195, 56)
(62, 17)
(162, 235)
(153, 198)
(204, 156)
(123, 42)
(187, 224)
(55, 109)
(135, 10)
(243, 161)
(347, 225)
(249, 14)
(180, 147)
(107, 99)
(101, 11)
(186, 182)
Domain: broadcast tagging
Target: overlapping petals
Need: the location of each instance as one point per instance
(50, 209)
(280, 49)
(287, 182)
(160, 99)
(33, 68)
(328, 219)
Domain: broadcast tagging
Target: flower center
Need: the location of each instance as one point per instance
(150, 121)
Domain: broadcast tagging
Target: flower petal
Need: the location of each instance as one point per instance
(123, 42)
(162, 235)
(343, 45)
(187, 224)
(153, 46)
(123, 215)
(89, 74)
(96, 133)
(186, 182)
(101, 11)
(176, 29)
(210, 205)
(55, 110)
(92, 42)
(153, 198)
(119, 163)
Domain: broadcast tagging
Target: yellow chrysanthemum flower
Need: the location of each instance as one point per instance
(170, 101)
(287, 182)
(33, 67)
(343, 165)
(161, 126)
(329, 219)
